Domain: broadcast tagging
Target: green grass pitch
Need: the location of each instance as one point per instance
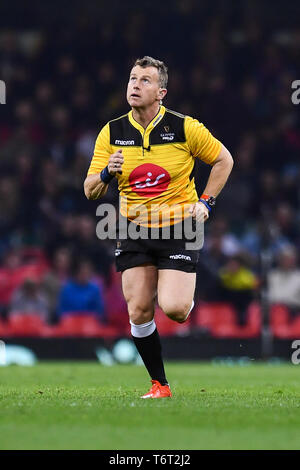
(89, 406)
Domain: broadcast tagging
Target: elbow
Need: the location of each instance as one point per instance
(227, 161)
(230, 161)
(227, 158)
(224, 160)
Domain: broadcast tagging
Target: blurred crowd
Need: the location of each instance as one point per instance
(235, 77)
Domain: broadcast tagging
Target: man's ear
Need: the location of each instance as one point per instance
(162, 93)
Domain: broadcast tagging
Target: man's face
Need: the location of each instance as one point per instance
(143, 88)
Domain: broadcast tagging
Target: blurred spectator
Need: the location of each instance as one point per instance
(238, 285)
(90, 247)
(64, 235)
(10, 205)
(284, 281)
(229, 242)
(237, 79)
(29, 299)
(211, 259)
(81, 294)
(55, 278)
(17, 266)
(11, 263)
(117, 313)
(286, 224)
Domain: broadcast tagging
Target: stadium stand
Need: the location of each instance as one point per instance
(232, 71)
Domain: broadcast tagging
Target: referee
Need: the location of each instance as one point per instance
(151, 151)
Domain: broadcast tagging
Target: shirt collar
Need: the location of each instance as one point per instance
(157, 118)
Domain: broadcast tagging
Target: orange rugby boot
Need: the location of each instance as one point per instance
(158, 391)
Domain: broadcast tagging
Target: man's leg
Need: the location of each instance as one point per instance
(175, 291)
(139, 286)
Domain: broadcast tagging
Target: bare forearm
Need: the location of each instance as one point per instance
(94, 188)
(218, 176)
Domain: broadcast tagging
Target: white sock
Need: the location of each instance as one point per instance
(143, 330)
(193, 303)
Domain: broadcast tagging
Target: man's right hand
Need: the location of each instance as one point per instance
(115, 163)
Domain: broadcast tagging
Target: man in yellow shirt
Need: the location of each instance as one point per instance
(238, 285)
(151, 151)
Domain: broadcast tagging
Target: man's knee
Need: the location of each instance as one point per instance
(140, 314)
(176, 311)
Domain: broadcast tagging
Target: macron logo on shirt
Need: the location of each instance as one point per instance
(187, 258)
(124, 142)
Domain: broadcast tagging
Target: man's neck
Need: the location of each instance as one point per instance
(145, 116)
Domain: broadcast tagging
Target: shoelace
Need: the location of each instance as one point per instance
(155, 386)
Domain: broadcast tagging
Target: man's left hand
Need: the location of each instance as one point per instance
(199, 211)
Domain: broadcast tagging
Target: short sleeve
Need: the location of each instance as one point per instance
(201, 142)
(102, 151)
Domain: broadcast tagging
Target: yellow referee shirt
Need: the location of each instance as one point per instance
(155, 185)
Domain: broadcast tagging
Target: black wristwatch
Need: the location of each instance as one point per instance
(211, 201)
(208, 201)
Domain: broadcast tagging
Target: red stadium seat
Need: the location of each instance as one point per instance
(254, 318)
(81, 324)
(29, 271)
(224, 321)
(295, 327)
(33, 255)
(24, 324)
(279, 321)
(203, 316)
(252, 328)
(116, 305)
(4, 329)
(279, 315)
(10, 280)
(168, 327)
(34, 266)
(220, 319)
(216, 316)
(282, 325)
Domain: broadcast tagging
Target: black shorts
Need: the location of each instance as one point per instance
(168, 253)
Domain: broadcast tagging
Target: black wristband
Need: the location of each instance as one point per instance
(205, 203)
(105, 176)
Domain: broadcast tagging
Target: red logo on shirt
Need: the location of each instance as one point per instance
(149, 180)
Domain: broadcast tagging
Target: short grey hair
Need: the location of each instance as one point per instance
(148, 61)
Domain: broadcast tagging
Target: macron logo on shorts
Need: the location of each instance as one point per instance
(124, 142)
(187, 258)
